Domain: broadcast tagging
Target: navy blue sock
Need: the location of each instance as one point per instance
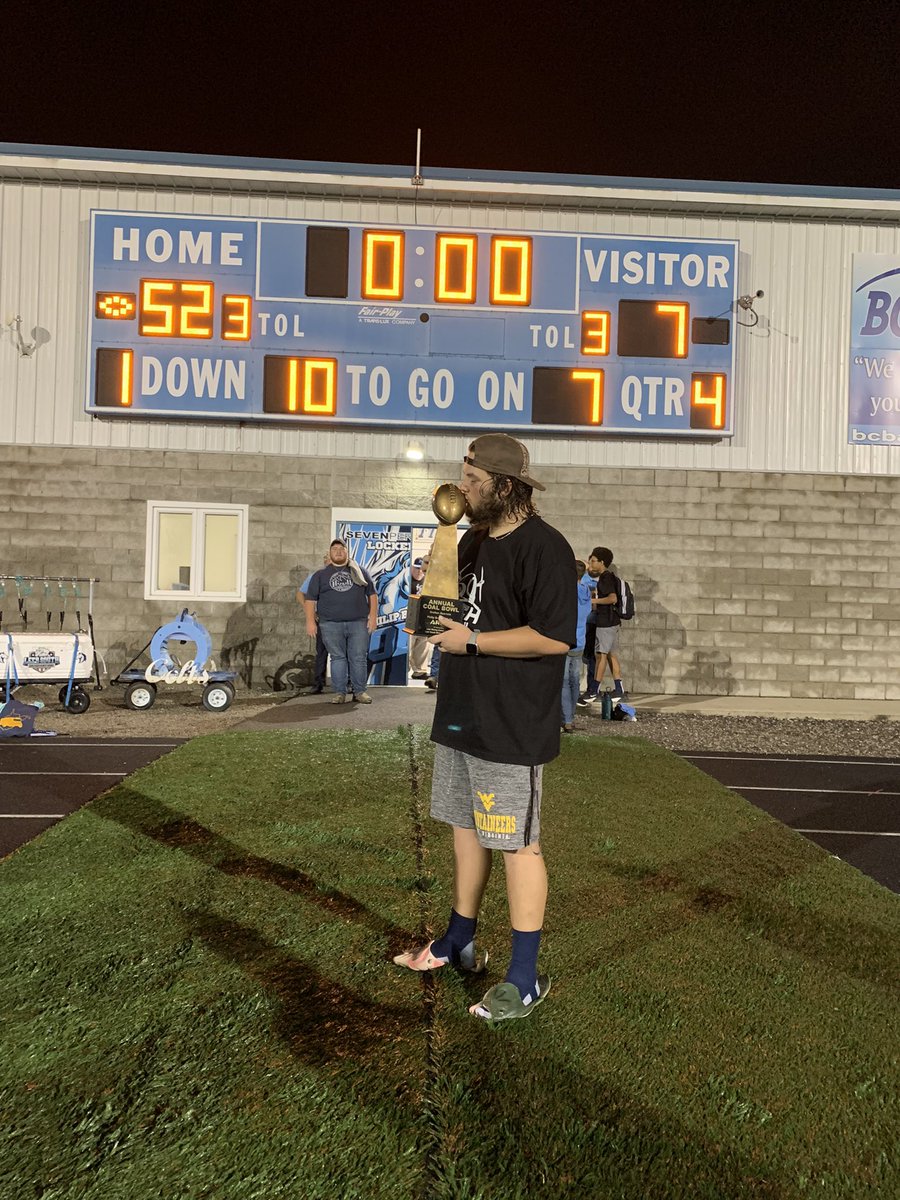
(460, 932)
(523, 964)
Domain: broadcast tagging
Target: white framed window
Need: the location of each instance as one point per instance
(196, 551)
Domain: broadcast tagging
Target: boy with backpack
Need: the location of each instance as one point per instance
(611, 594)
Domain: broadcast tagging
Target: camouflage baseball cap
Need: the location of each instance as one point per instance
(501, 455)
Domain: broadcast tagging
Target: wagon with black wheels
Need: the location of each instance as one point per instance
(170, 665)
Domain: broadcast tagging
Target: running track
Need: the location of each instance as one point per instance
(45, 779)
(849, 806)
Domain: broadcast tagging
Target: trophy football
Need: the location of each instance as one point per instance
(439, 596)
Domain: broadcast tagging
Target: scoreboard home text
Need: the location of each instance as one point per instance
(296, 321)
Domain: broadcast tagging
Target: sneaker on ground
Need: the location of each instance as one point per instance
(619, 692)
(420, 674)
(363, 698)
(568, 728)
(340, 698)
(431, 683)
(587, 698)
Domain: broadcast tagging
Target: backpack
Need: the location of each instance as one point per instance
(625, 604)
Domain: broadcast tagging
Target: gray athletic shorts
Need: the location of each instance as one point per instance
(607, 640)
(500, 801)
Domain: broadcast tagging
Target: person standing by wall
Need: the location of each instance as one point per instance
(434, 670)
(341, 596)
(605, 604)
(497, 716)
(589, 633)
(419, 647)
(572, 675)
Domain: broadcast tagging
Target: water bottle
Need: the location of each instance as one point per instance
(606, 706)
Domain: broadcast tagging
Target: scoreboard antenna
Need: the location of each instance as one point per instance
(417, 179)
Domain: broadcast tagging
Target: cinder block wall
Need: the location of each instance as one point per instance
(745, 583)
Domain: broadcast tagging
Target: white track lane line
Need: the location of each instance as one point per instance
(851, 832)
(740, 787)
(33, 816)
(50, 744)
(825, 762)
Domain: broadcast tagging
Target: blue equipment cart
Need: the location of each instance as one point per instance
(142, 683)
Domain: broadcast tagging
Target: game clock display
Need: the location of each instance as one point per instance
(318, 323)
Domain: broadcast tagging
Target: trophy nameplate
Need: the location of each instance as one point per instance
(439, 596)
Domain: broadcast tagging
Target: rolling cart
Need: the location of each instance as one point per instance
(30, 655)
(141, 683)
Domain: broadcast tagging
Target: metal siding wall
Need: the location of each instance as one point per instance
(791, 376)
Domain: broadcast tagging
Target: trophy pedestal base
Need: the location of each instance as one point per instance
(423, 613)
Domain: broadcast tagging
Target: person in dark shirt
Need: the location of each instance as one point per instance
(591, 686)
(341, 597)
(606, 606)
(497, 717)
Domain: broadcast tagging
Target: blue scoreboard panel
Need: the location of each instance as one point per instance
(230, 318)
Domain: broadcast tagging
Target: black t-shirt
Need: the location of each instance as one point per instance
(506, 710)
(607, 614)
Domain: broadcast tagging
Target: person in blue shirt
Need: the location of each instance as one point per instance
(341, 597)
(572, 674)
(432, 681)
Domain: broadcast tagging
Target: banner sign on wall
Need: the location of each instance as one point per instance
(384, 550)
(874, 409)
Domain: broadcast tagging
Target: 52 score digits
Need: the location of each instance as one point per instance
(177, 308)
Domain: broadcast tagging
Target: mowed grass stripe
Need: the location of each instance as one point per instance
(206, 1004)
(723, 1020)
(198, 1003)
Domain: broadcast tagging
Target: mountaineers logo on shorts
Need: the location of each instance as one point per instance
(496, 825)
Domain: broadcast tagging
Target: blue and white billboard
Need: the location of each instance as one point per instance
(321, 323)
(874, 410)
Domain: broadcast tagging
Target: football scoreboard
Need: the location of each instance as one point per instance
(320, 323)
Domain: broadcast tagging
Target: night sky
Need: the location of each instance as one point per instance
(733, 90)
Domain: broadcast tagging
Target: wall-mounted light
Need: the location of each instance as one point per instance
(39, 336)
(747, 301)
(414, 451)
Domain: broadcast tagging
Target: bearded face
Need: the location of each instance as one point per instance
(486, 500)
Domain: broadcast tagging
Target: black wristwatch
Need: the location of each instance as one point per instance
(472, 643)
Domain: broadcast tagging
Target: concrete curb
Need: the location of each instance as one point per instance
(394, 706)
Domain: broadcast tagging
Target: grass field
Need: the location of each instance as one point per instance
(198, 1000)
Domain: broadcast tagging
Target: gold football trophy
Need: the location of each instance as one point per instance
(439, 596)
